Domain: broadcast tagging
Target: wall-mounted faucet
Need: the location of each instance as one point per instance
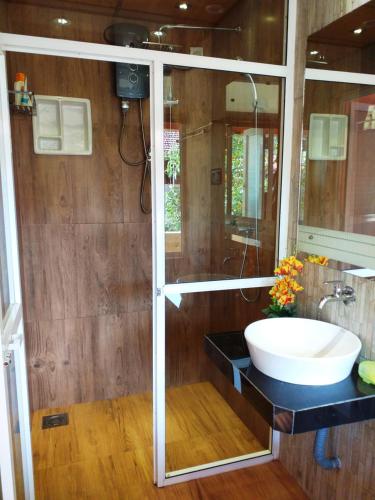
(340, 293)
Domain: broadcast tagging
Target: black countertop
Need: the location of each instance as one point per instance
(288, 407)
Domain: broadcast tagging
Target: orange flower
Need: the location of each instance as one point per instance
(289, 266)
(285, 288)
(318, 259)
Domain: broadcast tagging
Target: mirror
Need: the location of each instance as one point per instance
(337, 195)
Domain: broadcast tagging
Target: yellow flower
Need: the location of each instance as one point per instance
(285, 288)
(291, 265)
(318, 259)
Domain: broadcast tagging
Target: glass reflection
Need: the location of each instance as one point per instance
(228, 29)
(338, 184)
(347, 44)
(208, 420)
(221, 150)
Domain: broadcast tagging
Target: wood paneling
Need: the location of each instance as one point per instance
(139, 9)
(340, 32)
(106, 451)
(353, 443)
(78, 270)
(88, 22)
(3, 15)
(96, 357)
(85, 246)
(259, 21)
(321, 13)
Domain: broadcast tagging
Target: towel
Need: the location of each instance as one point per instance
(366, 371)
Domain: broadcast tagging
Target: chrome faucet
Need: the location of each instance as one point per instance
(340, 293)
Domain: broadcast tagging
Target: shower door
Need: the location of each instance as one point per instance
(15, 440)
(216, 198)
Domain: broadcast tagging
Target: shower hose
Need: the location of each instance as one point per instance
(146, 159)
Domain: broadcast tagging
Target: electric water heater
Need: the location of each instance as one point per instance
(132, 80)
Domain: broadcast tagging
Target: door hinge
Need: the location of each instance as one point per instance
(158, 292)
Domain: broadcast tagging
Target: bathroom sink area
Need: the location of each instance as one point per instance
(302, 351)
(290, 407)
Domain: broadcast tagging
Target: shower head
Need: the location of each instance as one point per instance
(126, 35)
(161, 31)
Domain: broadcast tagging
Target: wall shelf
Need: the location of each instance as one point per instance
(328, 137)
(62, 126)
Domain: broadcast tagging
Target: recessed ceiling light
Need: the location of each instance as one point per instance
(62, 21)
(357, 31)
(214, 8)
(183, 6)
(314, 52)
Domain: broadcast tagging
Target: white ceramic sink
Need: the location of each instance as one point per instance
(302, 351)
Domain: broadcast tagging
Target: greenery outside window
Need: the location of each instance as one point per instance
(172, 190)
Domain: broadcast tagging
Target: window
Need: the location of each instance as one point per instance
(172, 190)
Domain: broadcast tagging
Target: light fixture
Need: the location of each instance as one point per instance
(357, 31)
(62, 21)
(158, 33)
(314, 52)
(183, 6)
(214, 8)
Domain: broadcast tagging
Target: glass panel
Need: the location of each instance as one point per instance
(207, 419)
(347, 44)
(4, 280)
(230, 28)
(338, 183)
(86, 254)
(222, 159)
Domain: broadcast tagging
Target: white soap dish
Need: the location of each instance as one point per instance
(62, 126)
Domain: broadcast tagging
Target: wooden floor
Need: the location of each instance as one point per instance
(106, 450)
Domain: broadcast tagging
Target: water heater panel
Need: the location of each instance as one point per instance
(132, 81)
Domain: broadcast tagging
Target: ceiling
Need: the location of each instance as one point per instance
(208, 12)
(340, 32)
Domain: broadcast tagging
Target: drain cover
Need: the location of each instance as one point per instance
(55, 420)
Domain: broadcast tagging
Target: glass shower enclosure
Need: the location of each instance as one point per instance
(218, 140)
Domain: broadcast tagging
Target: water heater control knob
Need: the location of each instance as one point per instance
(133, 78)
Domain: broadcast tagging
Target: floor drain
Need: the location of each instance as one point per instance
(55, 420)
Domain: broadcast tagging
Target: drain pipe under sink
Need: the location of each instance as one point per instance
(319, 451)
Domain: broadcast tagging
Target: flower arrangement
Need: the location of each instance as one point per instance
(317, 259)
(286, 287)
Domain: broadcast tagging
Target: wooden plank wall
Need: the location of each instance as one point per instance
(85, 247)
(3, 16)
(353, 443)
(85, 244)
(322, 12)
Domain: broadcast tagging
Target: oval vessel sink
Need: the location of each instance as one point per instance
(302, 351)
